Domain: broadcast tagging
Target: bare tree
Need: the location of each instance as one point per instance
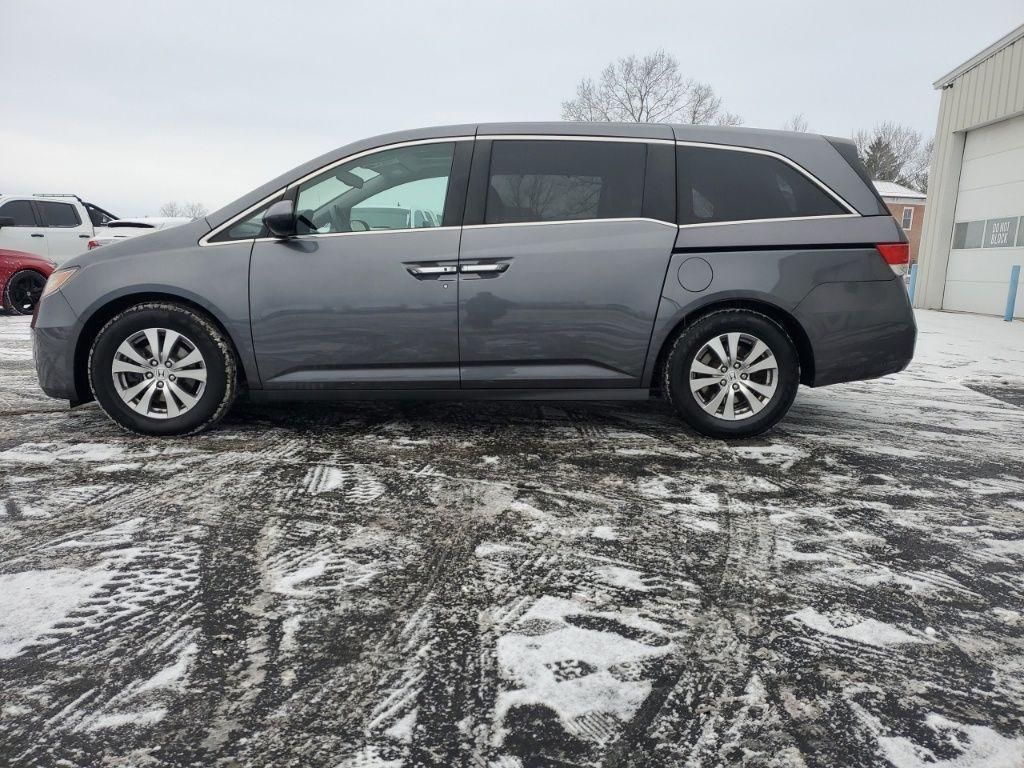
(893, 152)
(647, 90)
(796, 123)
(195, 210)
(172, 208)
(183, 210)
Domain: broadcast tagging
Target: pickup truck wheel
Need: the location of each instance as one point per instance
(733, 373)
(22, 292)
(162, 369)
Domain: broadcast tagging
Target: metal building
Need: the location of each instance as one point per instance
(974, 231)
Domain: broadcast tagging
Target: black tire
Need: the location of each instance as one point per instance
(22, 291)
(688, 344)
(218, 356)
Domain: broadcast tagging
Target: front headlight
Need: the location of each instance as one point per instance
(57, 280)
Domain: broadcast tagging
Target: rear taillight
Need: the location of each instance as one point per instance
(94, 244)
(896, 255)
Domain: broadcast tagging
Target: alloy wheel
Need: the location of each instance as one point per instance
(159, 373)
(734, 376)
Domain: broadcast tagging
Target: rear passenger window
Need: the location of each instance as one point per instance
(717, 185)
(20, 211)
(564, 181)
(58, 214)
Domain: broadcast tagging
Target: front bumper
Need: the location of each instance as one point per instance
(53, 348)
(858, 330)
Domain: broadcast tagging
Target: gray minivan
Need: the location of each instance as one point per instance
(718, 267)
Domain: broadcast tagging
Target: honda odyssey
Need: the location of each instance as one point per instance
(717, 267)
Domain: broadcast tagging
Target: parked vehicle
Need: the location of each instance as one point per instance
(22, 277)
(120, 229)
(719, 267)
(55, 226)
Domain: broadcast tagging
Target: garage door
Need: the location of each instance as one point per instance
(988, 236)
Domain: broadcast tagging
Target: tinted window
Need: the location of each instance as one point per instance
(564, 180)
(378, 191)
(58, 214)
(20, 211)
(727, 185)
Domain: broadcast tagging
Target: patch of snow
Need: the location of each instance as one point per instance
(31, 602)
(624, 578)
(866, 631)
(569, 666)
(487, 549)
(605, 532)
(169, 677)
(402, 729)
(120, 719)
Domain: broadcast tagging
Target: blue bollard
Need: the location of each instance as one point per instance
(913, 281)
(1011, 297)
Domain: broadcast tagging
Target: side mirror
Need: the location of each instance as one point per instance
(6, 221)
(280, 218)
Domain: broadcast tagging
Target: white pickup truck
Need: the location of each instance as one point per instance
(56, 227)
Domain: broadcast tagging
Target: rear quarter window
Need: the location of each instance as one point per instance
(722, 185)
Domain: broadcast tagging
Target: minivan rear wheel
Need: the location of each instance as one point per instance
(733, 373)
(162, 369)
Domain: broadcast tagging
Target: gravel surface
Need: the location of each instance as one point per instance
(506, 585)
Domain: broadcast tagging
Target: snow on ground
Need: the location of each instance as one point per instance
(531, 584)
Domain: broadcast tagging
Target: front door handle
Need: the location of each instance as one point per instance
(440, 270)
(36, 234)
(484, 268)
(83, 236)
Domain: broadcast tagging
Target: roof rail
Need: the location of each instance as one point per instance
(58, 194)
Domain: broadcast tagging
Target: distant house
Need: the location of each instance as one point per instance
(907, 207)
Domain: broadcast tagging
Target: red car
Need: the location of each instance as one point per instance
(22, 277)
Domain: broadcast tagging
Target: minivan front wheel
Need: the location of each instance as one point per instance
(162, 369)
(733, 373)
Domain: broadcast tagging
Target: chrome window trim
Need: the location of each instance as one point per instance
(770, 221)
(574, 137)
(795, 166)
(205, 239)
(619, 220)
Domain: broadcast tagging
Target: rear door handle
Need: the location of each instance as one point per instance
(484, 268)
(84, 236)
(36, 234)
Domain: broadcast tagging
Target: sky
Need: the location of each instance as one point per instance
(133, 104)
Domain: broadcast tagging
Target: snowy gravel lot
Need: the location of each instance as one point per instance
(507, 585)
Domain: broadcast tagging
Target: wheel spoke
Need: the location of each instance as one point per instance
(153, 338)
(734, 348)
(172, 404)
(755, 352)
(199, 374)
(125, 366)
(730, 405)
(170, 339)
(129, 393)
(698, 367)
(768, 364)
(191, 358)
(761, 389)
(147, 397)
(127, 350)
(696, 384)
(712, 405)
(718, 349)
(187, 400)
(756, 406)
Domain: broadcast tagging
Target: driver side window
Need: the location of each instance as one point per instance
(401, 188)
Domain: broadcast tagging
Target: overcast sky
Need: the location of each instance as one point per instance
(132, 104)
